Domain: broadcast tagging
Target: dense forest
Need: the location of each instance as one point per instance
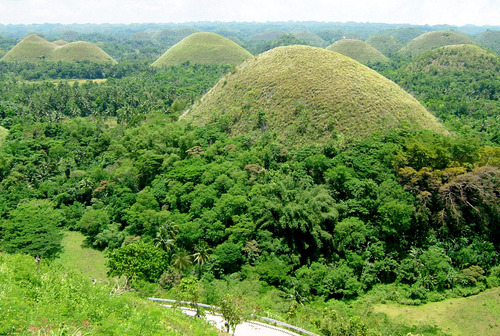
(316, 232)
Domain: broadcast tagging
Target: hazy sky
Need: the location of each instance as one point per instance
(455, 12)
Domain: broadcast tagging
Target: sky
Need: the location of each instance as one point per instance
(432, 12)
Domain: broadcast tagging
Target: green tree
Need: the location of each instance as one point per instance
(32, 228)
(137, 260)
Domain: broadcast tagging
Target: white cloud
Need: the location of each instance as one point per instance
(127, 11)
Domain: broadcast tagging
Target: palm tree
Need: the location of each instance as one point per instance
(166, 236)
(201, 256)
(182, 260)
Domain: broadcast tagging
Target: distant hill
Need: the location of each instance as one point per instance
(310, 38)
(60, 42)
(490, 39)
(267, 36)
(169, 37)
(306, 94)
(433, 40)
(203, 48)
(34, 49)
(387, 45)
(403, 35)
(358, 50)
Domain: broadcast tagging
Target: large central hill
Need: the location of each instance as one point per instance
(34, 49)
(358, 50)
(434, 40)
(307, 94)
(203, 48)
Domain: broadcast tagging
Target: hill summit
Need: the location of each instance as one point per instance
(433, 40)
(307, 94)
(203, 48)
(358, 50)
(34, 49)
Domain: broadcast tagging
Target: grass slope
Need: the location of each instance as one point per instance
(358, 50)
(490, 39)
(306, 94)
(88, 261)
(58, 301)
(434, 40)
(203, 48)
(34, 49)
(387, 45)
(475, 315)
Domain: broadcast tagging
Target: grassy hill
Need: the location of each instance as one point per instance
(387, 45)
(434, 40)
(306, 94)
(475, 315)
(470, 59)
(34, 49)
(31, 49)
(460, 84)
(358, 50)
(81, 51)
(490, 39)
(203, 48)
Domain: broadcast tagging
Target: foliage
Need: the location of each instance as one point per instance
(137, 261)
(32, 228)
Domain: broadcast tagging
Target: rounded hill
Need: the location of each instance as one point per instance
(267, 36)
(306, 94)
(433, 40)
(203, 48)
(358, 50)
(32, 49)
(466, 58)
(81, 51)
(387, 45)
(490, 39)
(35, 49)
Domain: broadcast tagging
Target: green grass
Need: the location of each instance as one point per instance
(3, 134)
(358, 50)
(34, 49)
(58, 301)
(88, 261)
(434, 40)
(475, 315)
(490, 39)
(387, 45)
(203, 48)
(306, 94)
